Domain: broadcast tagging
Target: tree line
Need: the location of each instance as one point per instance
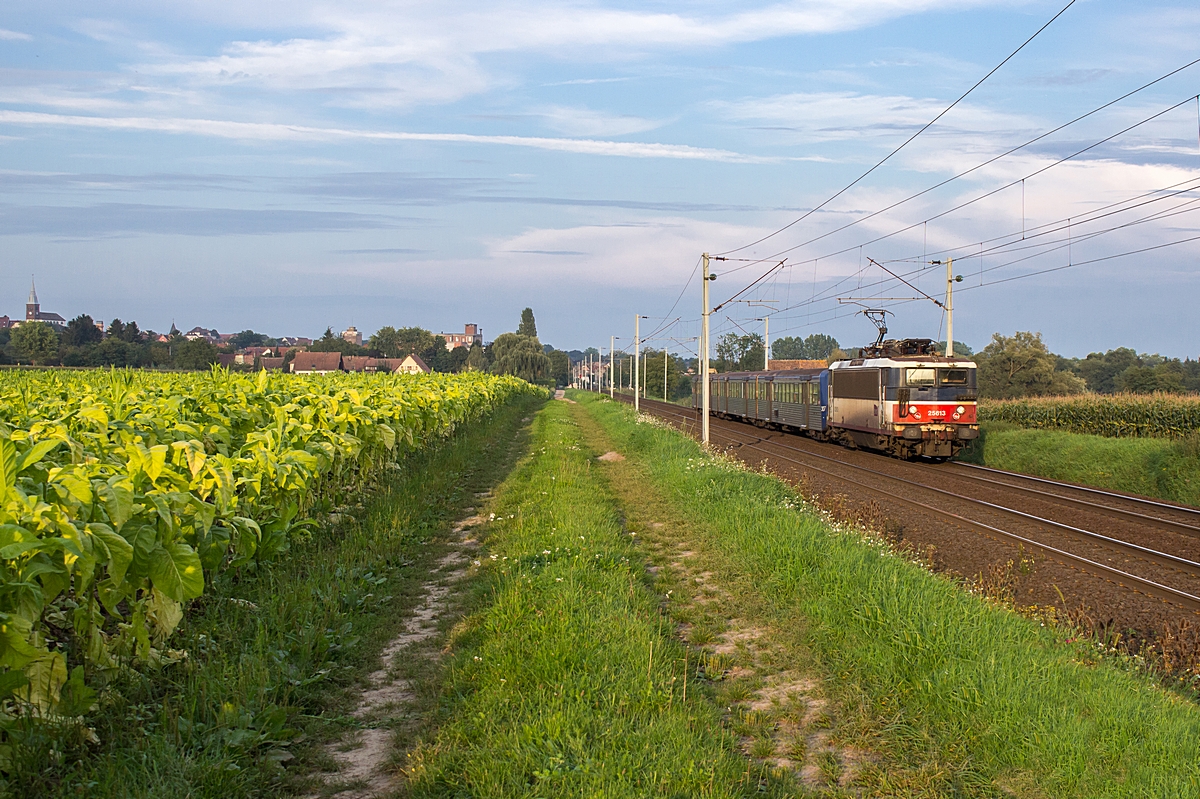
(82, 343)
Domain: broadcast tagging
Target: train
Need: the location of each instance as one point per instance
(899, 397)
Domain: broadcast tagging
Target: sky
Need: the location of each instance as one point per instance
(291, 166)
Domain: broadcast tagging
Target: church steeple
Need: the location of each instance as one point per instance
(32, 306)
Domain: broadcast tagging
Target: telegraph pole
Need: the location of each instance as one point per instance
(766, 320)
(704, 396)
(612, 359)
(664, 374)
(637, 321)
(949, 307)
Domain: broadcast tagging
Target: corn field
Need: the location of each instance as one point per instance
(123, 493)
(1158, 415)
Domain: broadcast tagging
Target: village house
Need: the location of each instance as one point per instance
(316, 363)
(411, 365)
(472, 334)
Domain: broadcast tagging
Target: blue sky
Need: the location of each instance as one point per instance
(287, 166)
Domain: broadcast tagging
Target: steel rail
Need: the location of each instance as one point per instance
(1107, 510)
(1072, 487)
(1124, 579)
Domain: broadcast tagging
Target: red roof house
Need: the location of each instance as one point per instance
(316, 363)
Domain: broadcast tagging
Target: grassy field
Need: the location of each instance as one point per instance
(566, 681)
(927, 690)
(1152, 467)
(276, 652)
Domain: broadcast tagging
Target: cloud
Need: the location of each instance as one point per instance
(123, 219)
(14, 36)
(587, 122)
(842, 116)
(270, 131)
(391, 54)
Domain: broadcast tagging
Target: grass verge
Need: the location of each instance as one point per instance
(275, 654)
(565, 681)
(953, 695)
(1152, 467)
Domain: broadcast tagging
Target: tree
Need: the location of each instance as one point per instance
(960, 350)
(195, 354)
(678, 383)
(817, 347)
(739, 353)
(132, 334)
(477, 360)
(329, 342)
(386, 341)
(81, 331)
(514, 354)
(116, 329)
(1168, 376)
(36, 342)
(1021, 366)
(527, 327)
(1100, 370)
(560, 367)
(247, 338)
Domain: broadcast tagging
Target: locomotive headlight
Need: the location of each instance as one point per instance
(960, 409)
(912, 409)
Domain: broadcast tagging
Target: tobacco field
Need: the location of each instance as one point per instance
(122, 494)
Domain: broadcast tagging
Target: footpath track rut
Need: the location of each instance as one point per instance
(1125, 560)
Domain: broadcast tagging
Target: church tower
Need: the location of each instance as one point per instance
(32, 306)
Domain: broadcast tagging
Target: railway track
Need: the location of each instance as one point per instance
(985, 499)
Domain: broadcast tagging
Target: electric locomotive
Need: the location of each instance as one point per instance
(899, 397)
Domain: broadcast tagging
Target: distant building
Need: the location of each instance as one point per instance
(197, 333)
(412, 365)
(271, 364)
(471, 334)
(352, 335)
(33, 312)
(227, 360)
(5, 323)
(288, 342)
(316, 363)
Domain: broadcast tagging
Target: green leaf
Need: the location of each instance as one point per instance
(389, 436)
(75, 698)
(35, 454)
(176, 571)
(12, 681)
(118, 500)
(8, 468)
(120, 551)
(15, 649)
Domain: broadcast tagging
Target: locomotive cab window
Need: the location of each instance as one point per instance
(922, 378)
(952, 377)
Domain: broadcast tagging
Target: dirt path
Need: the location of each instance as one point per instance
(387, 705)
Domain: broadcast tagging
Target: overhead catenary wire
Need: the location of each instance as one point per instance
(990, 193)
(988, 162)
(907, 141)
